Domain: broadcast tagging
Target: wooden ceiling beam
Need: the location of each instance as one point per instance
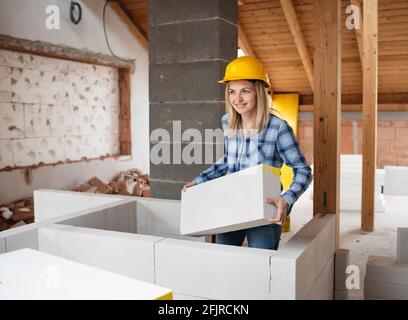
(296, 30)
(243, 42)
(116, 7)
(245, 46)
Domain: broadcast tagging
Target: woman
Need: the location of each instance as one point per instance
(253, 136)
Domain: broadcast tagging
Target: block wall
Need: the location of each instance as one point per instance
(392, 140)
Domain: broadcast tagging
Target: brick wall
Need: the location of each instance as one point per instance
(392, 140)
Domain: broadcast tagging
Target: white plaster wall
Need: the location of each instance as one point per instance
(26, 19)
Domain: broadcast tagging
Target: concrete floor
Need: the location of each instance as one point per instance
(382, 241)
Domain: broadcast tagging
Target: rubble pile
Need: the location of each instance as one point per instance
(17, 213)
(128, 183)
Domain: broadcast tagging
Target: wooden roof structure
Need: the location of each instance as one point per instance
(281, 34)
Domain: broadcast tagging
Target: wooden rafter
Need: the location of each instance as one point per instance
(370, 94)
(296, 30)
(116, 7)
(243, 42)
(359, 32)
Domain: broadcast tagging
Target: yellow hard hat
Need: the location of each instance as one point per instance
(246, 68)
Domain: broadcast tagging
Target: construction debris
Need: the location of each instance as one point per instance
(128, 183)
(17, 213)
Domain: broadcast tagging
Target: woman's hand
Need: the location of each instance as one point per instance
(282, 207)
(188, 185)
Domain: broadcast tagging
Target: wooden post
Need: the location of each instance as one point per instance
(370, 90)
(125, 124)
(327, 116)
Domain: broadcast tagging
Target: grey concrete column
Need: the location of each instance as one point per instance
(190, 44)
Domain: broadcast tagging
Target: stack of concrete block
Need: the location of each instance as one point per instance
(387, 277)
(228, 272)
(211, 271)
(312, 249)
(396, 181)
(351, 184)
(341, 262)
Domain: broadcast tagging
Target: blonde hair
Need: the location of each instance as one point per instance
(263, 108)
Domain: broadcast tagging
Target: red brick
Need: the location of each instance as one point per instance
(403, 161)
(308, 132)
(305, 123)
(400, 124)
(306, 145)
(400, 146)
(346, 133)
(402, 133)
(387, 160)
(383, 146)
(346, 123)
(300, 133)
(385, 123)
(346, 146)
(386, 133)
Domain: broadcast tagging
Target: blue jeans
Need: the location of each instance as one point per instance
(263, 237)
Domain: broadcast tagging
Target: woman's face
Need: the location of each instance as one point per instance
(242, 96)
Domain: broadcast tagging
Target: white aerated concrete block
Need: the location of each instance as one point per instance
(160, 217)
(123, 253)
(402, 245)
(384, 290)
(386, 270)
(32, 275)
(121, 217)
(232, 202)
(322, 288)
(213, 271)
(341, 263)
(396, 181)
(2, 245)
(177, 296)
(50, 204)
(21, 240)
(310, 249)
(385, 279)
(341, 295)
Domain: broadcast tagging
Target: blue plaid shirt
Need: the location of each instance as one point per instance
(274, 145)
